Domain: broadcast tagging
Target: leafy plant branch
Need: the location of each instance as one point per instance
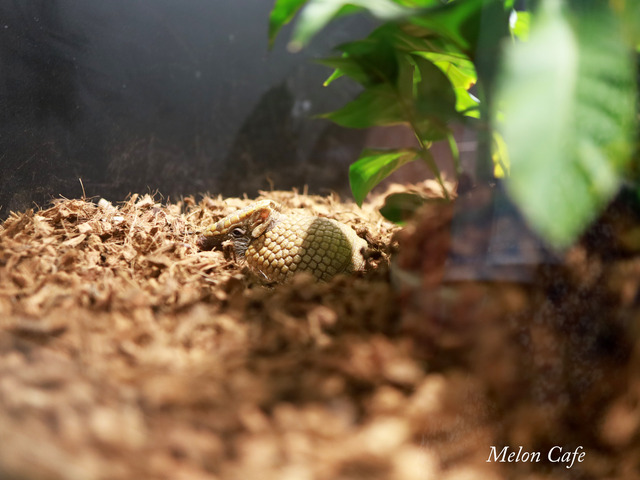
(415, 70)
(557, 86)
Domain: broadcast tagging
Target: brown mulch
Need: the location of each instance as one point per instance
(125, 352)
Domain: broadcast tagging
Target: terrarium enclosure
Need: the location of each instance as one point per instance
(319, 239)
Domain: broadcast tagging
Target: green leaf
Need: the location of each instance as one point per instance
(345, 66)
(462, 75)
(374, 56)
(401, 207)
(281, 14)
(568, 99)
(460, 70)
(412, 39)
(337, 73)
(417, 94)
(499, 156)
(373, 166)
(318, 13)
(457, 21)
(375, 106)
(519, 24)
(418, 3)
(447, 57)
(369, 61)
(435, 99)
(629, 11)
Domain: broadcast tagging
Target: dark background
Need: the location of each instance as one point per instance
(181, 97)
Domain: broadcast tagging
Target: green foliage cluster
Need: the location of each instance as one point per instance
(554, 100)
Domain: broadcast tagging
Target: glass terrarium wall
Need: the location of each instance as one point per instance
(179, 97)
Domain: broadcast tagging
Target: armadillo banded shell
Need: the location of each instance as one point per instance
(295, 243)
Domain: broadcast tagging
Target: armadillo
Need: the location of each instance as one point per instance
(276, 245)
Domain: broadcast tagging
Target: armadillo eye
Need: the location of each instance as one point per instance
(237, 232)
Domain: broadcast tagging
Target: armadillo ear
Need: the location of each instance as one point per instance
(260, 221)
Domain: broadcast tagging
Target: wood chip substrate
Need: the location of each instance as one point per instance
(128, 353)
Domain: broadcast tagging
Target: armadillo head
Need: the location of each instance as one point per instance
(242, 226)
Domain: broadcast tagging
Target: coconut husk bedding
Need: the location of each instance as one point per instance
(126, 352)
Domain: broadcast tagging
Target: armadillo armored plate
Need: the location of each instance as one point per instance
(277, 245)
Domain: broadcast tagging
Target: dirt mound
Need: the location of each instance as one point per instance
(125, 352)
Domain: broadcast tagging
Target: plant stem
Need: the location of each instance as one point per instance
(424, 150)
(455, 153)
(428, 159)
